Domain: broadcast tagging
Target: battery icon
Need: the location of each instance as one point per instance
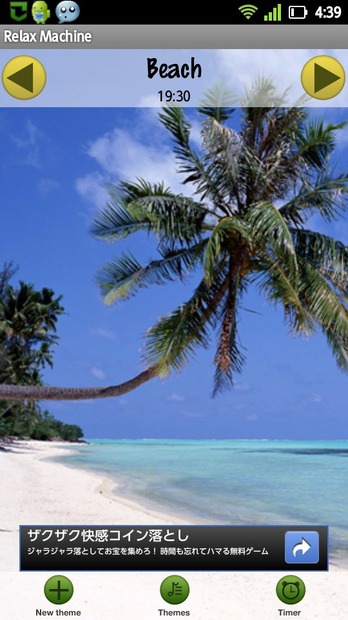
(297, 12)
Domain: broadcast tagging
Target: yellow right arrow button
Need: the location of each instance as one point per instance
(323, 77)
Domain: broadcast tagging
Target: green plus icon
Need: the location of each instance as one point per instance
(58, 589)
(290, 589)
(174, 589)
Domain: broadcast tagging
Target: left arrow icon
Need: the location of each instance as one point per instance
(24, 77)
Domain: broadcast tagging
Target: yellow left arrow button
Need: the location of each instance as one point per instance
(24, 77)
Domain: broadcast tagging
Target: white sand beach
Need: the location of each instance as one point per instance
(34, 491)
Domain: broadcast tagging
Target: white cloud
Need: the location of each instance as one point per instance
(236, 407)
(120, 154)
(195, 134)
(46, 186)
(315, 398)
(104, 333)
(192, 414)
(176, 397)
(29, 137)
(242, 387)
(150, 101)
(342, 136)
(98, 373)
(28, 142)
(92, 188)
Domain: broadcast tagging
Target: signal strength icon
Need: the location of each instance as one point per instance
(275, 15)
(248, 10)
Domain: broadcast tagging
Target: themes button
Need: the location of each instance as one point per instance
(174, 589)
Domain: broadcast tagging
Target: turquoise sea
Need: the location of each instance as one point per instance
(231, 481)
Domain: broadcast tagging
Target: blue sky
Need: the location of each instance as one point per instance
(54, 165)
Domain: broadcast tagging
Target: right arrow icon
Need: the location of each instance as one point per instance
(323, 77)
(303, 547)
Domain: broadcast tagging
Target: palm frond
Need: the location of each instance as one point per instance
(322, 301)
(218, 103)
(262, 95)
(273, 280)
(123, 277)
(230, 237)
(175, 121)
(115, 222)
(144, 206)
(170, 216)
(189, 161)
(325, 254)
(120, 278)
(339, 347)
(223, 150)
(270, 230)
(228, 358)
(326, 196)
(172, 341)
(316, 141)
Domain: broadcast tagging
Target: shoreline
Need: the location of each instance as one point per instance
(109, 506)
(35, 453)
(36, 490)
(112, 489)
(76, 496)
(173, 514)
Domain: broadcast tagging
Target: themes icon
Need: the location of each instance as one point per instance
(174, 589)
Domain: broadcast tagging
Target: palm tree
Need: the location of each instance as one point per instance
(245, 224)
(27, 332)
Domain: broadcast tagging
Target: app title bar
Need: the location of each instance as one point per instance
(196, 36)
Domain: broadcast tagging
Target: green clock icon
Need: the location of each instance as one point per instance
(290, 589)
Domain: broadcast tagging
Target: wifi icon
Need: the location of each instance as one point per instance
(248, 10)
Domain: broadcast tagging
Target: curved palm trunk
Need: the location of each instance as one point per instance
(42, 392)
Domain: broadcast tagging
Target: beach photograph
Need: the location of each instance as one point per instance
(173, 342)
